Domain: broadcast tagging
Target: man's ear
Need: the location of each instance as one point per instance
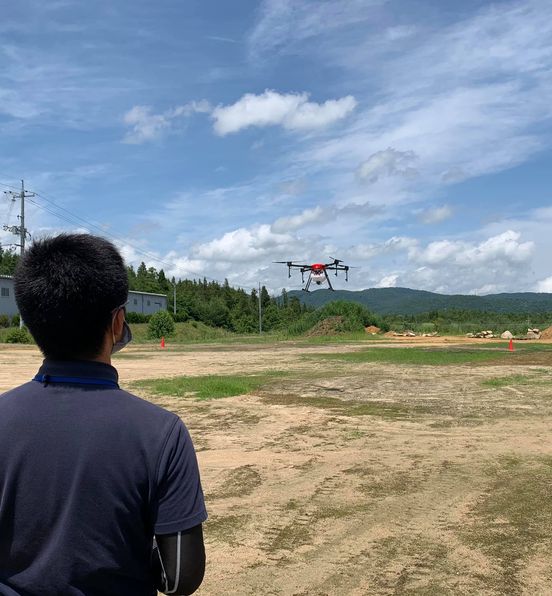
(118, 323)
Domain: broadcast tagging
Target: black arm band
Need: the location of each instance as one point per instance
(180, 564)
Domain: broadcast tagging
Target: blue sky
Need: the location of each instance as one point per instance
(412, 139)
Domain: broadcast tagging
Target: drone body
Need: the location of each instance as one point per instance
(318, 272)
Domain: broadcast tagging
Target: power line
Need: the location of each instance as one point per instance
(11, 186)
(102, 231)
(73, 219)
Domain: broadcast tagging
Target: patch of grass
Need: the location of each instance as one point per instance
(239, 482)
(418, 356)
(424, 566)
(384, 484)
(225, 528)
(362, 471)
(290, 537)
(398, 483)
(512, 519)
(129, 356)
(348, 407)
(498, 382)
(355, 434)
(520, 346)
(206, 387)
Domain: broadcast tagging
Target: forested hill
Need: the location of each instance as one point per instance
(409, 302)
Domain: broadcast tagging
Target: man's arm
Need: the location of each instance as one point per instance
(181, 561)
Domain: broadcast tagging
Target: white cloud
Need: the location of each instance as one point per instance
(389, 281)
(502, 249)
(395, 244)
(294, 187)
(463, 113)
(485, 289)
(389, 162)
(281, 24)
(147, 126)
(499, 263)
(293, 111)
(436, 214)
(400, 32)
(544, 285)
(295, 222)
(246, 245)
(326, 216)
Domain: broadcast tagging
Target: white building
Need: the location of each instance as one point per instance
(142, 302)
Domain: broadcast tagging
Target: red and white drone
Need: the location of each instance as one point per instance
(318, 272)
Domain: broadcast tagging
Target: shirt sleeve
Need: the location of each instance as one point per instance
(179, 504)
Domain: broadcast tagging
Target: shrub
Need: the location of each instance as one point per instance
(355, 317)
(15, 320)
(182, 316)
(4, 321)
(161, 324)
(18, 336)
(137, 317)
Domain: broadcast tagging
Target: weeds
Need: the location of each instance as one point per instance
(206, 387)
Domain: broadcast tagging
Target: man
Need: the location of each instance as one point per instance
(89, 473)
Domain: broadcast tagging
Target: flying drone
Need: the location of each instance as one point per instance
(318, 272)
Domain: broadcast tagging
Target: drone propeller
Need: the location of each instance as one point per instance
(286, 262)
(336, 261)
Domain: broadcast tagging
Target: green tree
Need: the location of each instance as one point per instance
(8, 261)
(160, 325)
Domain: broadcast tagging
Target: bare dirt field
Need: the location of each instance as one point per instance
(363, 477)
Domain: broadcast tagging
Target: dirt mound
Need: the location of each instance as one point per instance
(547, 333)
(329, 326)
(372, 329)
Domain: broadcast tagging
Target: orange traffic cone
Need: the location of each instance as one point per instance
(511, 345)
(162, 342)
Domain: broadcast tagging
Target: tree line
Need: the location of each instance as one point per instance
(219, 304)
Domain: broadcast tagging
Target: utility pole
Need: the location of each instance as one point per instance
(260, 312)
(20, 230)
(174, 298)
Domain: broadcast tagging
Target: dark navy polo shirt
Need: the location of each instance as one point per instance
(88, 474)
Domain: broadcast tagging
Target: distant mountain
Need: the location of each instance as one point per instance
(407, 302)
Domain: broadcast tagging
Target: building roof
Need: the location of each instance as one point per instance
(146, 293)
(130, 291)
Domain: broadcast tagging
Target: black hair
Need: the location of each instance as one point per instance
(66, 288)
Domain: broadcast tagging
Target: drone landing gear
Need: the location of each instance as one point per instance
(328, 280)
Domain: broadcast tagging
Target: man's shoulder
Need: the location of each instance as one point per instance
(125, 402)
(19, 390)
(140, 405)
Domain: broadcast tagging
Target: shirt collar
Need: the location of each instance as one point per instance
(85, 369)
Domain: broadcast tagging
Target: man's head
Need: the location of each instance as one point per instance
(68, 289)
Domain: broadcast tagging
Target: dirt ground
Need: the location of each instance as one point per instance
(362, 478)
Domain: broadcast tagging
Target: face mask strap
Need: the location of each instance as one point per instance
(126, 333)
